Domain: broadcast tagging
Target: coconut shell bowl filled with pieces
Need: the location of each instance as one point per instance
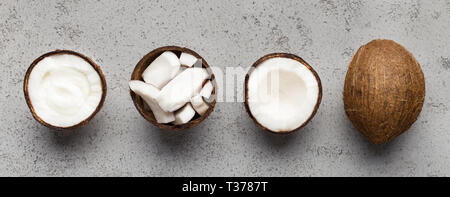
(174, 88)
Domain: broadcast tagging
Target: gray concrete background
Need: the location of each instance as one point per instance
(119, 142)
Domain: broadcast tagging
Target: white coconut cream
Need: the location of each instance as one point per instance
(64, 89)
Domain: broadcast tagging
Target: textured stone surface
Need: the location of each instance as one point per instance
(119, 142)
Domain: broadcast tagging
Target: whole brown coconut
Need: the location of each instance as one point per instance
(384, 90)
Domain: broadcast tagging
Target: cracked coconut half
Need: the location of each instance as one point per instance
(282, 93)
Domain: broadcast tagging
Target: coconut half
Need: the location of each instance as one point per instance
(175, 97)
(282, 92)
(64, 89)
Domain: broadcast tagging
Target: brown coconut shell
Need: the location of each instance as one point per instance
(296, 58)
(60, 52)
(142, 107)
(384, 90)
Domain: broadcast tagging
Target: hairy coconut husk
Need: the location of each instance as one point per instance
(296, 58)
(141, 105)
(384, 90)
(60, 52)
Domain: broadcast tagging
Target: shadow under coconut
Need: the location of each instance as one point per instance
(379, 150)
(175, 141)
(277, 147)
(76, 137)
(283, 141)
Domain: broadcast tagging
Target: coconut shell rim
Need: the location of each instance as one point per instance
(296, 58)
(148, 114)
(60, 52)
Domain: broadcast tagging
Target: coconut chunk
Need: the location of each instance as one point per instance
(199, 104)
(162, 69)
(184, 115)
(182, 68)
(149, 94)
(181, 89)
(207, 89)
(187, 59)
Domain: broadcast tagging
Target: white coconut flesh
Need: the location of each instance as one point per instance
(207, 89)
(199, 104)
(162, 69)
(184, 115)
(64, 90)
(182, 88)
(282, 94)
(187, 60)
(149, 93)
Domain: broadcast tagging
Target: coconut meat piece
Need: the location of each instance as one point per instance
(184, 115)
(199, 104)
(162, 69)
(282, 94)
(187, 60)
(181, 89)
(149, 94)
(64, 89)
(182, 68)
(207, 89)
